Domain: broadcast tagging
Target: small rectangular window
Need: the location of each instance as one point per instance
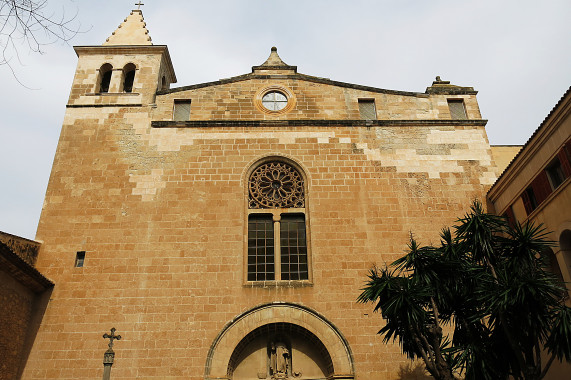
(79, 259)
(457, 109)
(367, 109)
(181, 111)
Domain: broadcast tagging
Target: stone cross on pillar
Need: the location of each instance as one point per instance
(109, 355)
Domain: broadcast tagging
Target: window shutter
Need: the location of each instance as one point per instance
(367, 109)
(565, 164)
(527, 202)
(509, 215)
(541, 187)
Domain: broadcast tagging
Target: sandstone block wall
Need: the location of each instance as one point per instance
(232, 99)
(160, 210)
(161, 216)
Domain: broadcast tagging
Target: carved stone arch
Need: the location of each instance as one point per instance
(288, 316)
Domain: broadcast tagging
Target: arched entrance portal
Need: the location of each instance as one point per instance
(280, 351)
(279, 341)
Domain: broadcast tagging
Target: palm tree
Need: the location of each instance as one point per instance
(488, 282)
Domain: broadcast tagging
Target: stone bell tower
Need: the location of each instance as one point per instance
(126, 70)
(110, 106)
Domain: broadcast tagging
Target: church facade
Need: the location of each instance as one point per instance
(225, 229)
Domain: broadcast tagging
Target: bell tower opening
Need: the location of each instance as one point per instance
(280, 351)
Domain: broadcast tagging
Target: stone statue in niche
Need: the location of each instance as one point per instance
(279, 360)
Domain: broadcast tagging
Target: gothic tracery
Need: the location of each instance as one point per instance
(276, 185)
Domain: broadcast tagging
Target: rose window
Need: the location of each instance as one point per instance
(276, 185)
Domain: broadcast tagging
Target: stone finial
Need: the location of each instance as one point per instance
(440, 81)
(274, 64)
(132, 31)
(274, 59)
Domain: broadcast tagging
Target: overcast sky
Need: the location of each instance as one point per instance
(516, 53)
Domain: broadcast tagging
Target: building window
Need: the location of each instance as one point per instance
(181, 110)
(261, 263)
(274, 101)
(510, 217)
(277, 248)
(79, 259)
(105, 73)
(457, 109)
(293, 247)
(565, 158)
(367, 109)
(529, 200)
(129, 77)
(555, 173)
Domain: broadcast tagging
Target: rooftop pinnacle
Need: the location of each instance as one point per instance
(132, 31)
(274, 59)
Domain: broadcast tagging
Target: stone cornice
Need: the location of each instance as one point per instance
(315, 123)
(119, 49)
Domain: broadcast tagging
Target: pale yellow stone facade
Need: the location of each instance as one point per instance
(160, 208)
(503, 155)
(547, 154)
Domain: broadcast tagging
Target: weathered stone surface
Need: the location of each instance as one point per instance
(160, 210)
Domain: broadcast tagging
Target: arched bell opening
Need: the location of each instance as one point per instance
(280, 351)
(129, 77)
(104, 79)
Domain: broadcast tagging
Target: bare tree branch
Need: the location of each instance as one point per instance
(31, 25)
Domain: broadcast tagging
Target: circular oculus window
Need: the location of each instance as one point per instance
(274, 101)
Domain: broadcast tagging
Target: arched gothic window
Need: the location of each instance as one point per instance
(128, 77)
(277, 223)
(105, 77)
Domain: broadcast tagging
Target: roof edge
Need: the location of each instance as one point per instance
(529, 141)
(297, 76)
